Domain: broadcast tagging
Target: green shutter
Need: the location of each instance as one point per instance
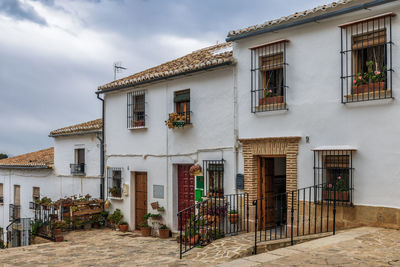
(182, 97)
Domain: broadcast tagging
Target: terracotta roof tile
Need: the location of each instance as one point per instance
(42, 158)
(86, 127)
(298, 16)
(196, 61)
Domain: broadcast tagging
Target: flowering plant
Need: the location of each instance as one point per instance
(370, 76)
(341, 185)
(269, 93)
(175, 120)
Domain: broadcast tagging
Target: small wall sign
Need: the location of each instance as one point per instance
(240, 181)
(158, 191)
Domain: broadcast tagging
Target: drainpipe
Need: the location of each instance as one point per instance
(102, 150)
(235, 123)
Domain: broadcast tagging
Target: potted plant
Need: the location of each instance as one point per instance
(270, 98)
(369, 81)
(233, 216)
(160, 209)
(163, 231)
(115, 218)
(175, 120)
(123, 226)
(156, 217)
(195, 169)
(342, 191)
(192, 235)
(115, 191)
(154, 205)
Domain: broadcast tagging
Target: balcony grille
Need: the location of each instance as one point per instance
(214, 177)
(14, 212)
(268, 77)
(366, 59)
(77, 169)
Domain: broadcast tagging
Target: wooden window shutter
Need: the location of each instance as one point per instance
(337, 161)
(272, 62)
(36, 192)
(369, 39)
(1, 190)
(17, 195)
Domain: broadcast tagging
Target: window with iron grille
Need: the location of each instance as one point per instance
(114, 183)
(214, 177)
(78, 167)
(333, 171)
(1, 194)
(35, 193)
(136, 113)
(268, 77)
(366, 59)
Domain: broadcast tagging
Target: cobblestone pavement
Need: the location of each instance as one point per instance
(364, 246)
(361, 246)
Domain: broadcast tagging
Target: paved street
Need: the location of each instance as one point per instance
(357, 247)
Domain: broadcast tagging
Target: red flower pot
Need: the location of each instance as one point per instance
(340, 195)
(123, 228)
(163, 233)
(270, 100)
(368, 87)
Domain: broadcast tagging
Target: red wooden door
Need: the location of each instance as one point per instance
(185, 187)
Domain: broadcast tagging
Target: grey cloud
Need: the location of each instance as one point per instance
(21, 11)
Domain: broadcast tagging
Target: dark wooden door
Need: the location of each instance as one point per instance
(140, 197)
(266, 191)
(185, 187)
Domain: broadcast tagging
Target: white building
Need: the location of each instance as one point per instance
(146, 161)
(72, 167)
(304, 112)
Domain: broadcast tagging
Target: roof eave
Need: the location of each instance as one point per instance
(308, 20)
(25, 167)
(229, 62)
(77, 133)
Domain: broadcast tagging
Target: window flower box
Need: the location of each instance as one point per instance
(340, 195)
(368, 87)
(270, 100)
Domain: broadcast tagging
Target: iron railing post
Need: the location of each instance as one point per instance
(291, 220)
(255, 227)
(180, 235)
(247, 194)
(334, 209)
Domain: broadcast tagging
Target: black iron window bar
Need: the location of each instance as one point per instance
(114, 182)
(268, 77)
(213, 171)
(78, 169)
(136, 109)
(14, 212)
(366, 59)
(334, 168)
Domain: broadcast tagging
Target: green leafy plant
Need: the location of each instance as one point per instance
(269, 93)
(371, 75)
(123, 223)
(116, 216)
(233, 212)
(156, 216)
(164, 227)
(115, 191)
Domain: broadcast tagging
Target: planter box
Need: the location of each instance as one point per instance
(270, 100)
(163, 233)
(145, 231)
(233, 218)
(368, 87)
(340, 196)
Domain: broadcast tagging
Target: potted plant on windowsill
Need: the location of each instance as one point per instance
(175, 120)
(369, 81)
(123, 226)
(233, 216)
(342, 191)
(163, 231)
(115, 192)
(270, 98)
(137, 123)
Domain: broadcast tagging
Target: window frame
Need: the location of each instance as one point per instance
(364, 41)
(134, 107)
(268, 58)
(209, 174)
(113, 181)
(186, 105)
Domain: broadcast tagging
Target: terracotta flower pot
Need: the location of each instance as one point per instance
(123, 228)
(368, 87)
(270, 100)
(340, 195)
(233, 218)
(154, 205)
(146, 231)
(194, 240)
(57, 232)
(163, 233)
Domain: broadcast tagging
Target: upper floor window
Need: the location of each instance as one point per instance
(366, 51)
(268, 76)
(78, 167)
(1, 194)
(181, 116)
(114, 182)
(35, 194)
(136, 110)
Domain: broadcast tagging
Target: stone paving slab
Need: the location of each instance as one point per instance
(364, 246)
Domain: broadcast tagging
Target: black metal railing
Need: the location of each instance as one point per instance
(306, 211)
(77, 168)
(14, 212)
(45, 220)
(211, 219)
(19, 232)
(366, 59)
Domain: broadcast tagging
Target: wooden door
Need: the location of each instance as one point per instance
(185, 187)
(266, 192)
(140, 197)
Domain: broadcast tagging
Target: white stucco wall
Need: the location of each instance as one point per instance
(315, 109)
(64, 153)
(52, 186)
(210, 137)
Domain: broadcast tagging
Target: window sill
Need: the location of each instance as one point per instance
(116, 198)
(270, 107)
(374, 95)
(136, 128)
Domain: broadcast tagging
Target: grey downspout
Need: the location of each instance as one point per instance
(102, 150)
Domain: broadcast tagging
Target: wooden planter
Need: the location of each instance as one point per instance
(123, 228)
(270, 100)
(340, 196)
(163, 233)
(368, 87)
(233, 218)
(146, 231)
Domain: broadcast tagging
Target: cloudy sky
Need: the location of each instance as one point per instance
(54, 53)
